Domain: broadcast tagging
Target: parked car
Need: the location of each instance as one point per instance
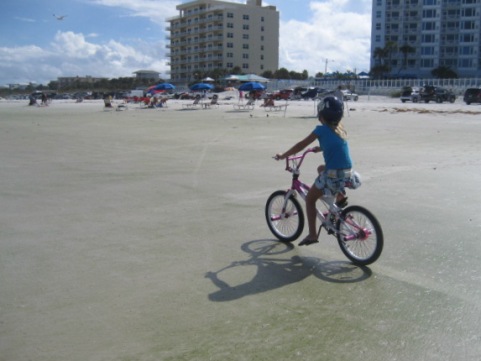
(310, 93)
(183, 95)
(410, 94)
(283, 94)
(436, 94)
(349, 95)
(472, 95)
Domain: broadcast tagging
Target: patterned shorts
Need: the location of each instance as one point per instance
(330, 185)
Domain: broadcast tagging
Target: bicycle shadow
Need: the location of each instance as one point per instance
(276, 272)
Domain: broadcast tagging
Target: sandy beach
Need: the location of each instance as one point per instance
(140, 235)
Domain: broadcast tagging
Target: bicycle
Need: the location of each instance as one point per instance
(358, 232)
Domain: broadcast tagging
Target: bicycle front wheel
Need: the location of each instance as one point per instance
(360, 235)
(284, 217)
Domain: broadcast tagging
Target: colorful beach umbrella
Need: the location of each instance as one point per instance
(201, 86)
(164, 86)
(252, 85)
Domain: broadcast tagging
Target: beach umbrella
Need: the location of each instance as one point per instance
(164, 86)
(252, 85)
(201, 86)
(208, 79)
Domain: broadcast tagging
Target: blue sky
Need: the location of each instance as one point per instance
(113, 38)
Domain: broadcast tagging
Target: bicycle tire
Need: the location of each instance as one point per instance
(287, 225)
(360, 235)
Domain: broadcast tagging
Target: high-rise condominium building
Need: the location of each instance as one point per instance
(420, 35)
(211, 34)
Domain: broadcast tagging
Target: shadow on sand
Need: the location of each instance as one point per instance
(275, 270)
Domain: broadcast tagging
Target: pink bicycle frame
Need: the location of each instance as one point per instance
(302, 188)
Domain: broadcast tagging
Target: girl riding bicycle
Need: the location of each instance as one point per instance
(338, 165)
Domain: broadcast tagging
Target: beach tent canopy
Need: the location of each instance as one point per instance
(208, 79)
(247, 78)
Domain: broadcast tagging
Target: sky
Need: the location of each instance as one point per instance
(114, 38)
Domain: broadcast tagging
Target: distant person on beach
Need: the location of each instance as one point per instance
(44, 99)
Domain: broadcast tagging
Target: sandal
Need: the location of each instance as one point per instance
(306, 242)
(342, 203)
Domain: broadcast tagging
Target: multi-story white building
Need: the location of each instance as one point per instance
(211, 34)
(421, 35)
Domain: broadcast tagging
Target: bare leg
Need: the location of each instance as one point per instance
(340, 198)
(312, 196)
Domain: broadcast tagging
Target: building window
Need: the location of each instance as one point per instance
(429, 25)
(245, 17)
(466, 50)
(230, 15)
(262, 18)
(469, 12)
(245, 36)
(468, 25)
(230, 45)
(245, 66)
(230, 35)
(427, 50)
(229, 55)
(465, 63)
(429, 13)
(245, 46)
(229, 65)
(466, 38)
(245, 27)
(230, 25)
(427, 63)
(428, 38)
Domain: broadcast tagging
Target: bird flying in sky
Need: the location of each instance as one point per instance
(59, 17)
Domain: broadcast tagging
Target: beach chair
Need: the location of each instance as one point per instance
(162, 103)
(212, 103)
(247, 106)
(121, 107)
(108, 102)
(270, 106)
(193, 105)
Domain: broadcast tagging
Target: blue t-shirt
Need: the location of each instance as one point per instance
(334, 148)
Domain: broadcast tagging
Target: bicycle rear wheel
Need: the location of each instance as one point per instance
(360, 235)
(285, 218)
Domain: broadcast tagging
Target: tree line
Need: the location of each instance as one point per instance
(384, 56)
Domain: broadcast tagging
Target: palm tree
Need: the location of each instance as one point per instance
(406, 49)
(381, 54)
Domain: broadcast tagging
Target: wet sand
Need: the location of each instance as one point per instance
(140, 235)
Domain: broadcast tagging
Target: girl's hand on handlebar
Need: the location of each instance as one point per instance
(316, 149)
(278, 156)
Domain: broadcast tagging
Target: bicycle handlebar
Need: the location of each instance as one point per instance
(301, 157)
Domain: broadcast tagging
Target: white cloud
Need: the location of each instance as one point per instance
(155, 11)
(73, 45)
(71, 54)
(333, 33)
